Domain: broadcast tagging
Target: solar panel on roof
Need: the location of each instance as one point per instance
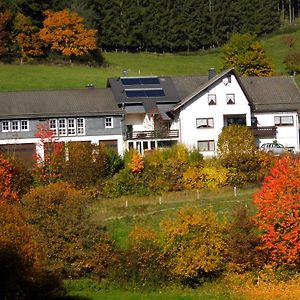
(130, 81)
(145, 93)
(155, 93)
(140, 80)
(135, 93)
(150, 80)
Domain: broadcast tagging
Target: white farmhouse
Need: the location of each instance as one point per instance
(267, 105)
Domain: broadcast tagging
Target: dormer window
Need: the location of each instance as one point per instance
(212, 99)
(230, 99)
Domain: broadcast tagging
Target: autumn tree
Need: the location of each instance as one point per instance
(237, 152)
(194, 243)
(5, 33)
(64, 32)
(48, 165)
(27, 37)
(8, 191)
(278, 215)
(245, 53)
(136, 164)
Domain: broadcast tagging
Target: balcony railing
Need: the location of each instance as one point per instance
(263, 131)
(155, 134)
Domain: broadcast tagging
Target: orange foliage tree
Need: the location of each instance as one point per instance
(48, 167)
(278, 213)
(65, 32)
(7, 189)
(27, 39)
(136, 164)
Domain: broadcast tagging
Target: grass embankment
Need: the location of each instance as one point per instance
(49, 77)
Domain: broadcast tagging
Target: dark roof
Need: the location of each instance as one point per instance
(63, 103)
(186, 85)
(278, 93)
(165, 83)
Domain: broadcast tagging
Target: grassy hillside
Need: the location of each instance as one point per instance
(34, 77)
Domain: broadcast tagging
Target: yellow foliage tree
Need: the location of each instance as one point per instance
(195, 244)
(65, 32)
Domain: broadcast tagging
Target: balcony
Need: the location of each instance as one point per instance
(155, 134)
(263, 131)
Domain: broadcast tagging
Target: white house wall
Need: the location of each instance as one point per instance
(199, 108)
(288, 136)
(136, 120)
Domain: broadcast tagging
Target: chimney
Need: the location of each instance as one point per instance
(211, 73)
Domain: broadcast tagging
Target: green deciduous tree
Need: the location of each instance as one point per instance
(246, 55)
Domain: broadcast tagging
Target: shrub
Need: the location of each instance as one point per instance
(60, 212)
(214, 176)
(21, 274)
(243, 242)
(278, 213)
(266, 162)
(292, 61)
(126, 183)
(12, 181)
(237, 152)
(87, 164)
(192, 178)
(195, 244)
(142, 265)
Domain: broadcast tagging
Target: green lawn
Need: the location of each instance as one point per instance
(147, 211)
(85, 289)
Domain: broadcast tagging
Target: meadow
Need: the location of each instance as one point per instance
(16, 77)
(121, 215)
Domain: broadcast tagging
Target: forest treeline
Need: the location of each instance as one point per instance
(164, 25)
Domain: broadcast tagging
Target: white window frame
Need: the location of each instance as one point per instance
(230, 97)
(212, 99)
(53, 126)
(204, 123)
(15, 126)
(62, 130)
(71, 126)
(278, 121)
(210, 146)
(108, 122)
(24, 125)
(80, 124)
(5, 124)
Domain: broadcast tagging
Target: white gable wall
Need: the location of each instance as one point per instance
(199, 108)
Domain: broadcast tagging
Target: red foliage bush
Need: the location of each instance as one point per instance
(278, 213)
